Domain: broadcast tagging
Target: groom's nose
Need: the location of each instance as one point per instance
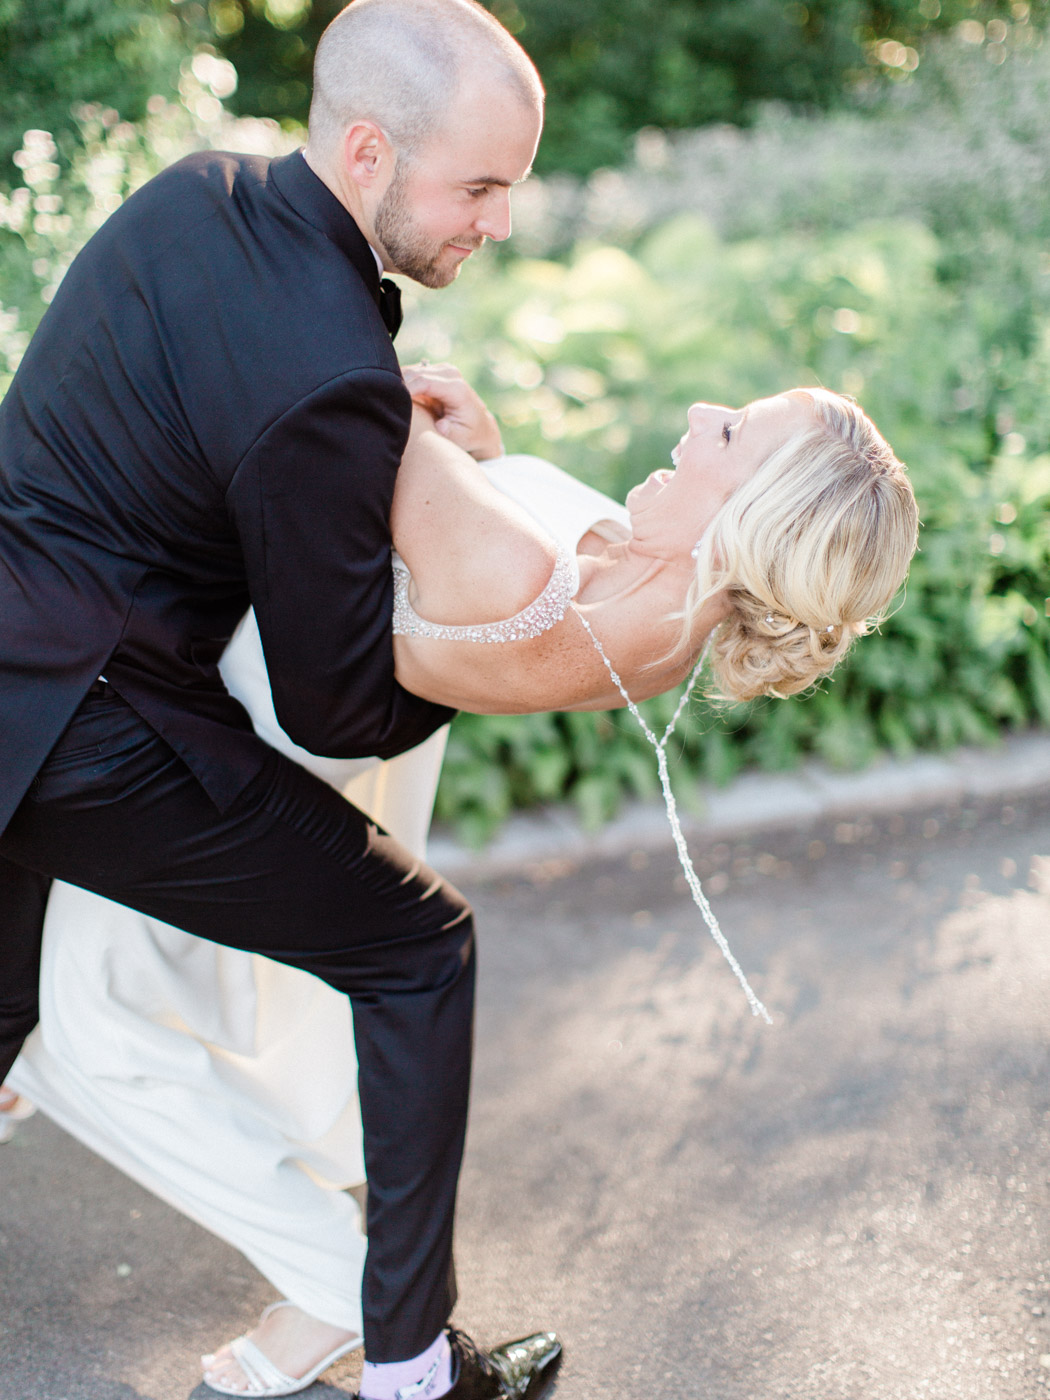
(494, 221)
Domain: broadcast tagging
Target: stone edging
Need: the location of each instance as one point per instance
(759, 802)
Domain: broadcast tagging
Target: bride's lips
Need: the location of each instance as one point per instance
(657, 479)
(660, 477)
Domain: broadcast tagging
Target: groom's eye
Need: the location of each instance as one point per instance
(727, 431)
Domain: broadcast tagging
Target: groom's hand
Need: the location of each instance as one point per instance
(461, 415)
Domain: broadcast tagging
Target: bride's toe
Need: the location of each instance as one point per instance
(227, 1375)
(221, 1370)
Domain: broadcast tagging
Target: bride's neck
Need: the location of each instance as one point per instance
(630, 598)
(634, 602)
(613, 572)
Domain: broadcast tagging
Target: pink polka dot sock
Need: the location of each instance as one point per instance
(425, 1377)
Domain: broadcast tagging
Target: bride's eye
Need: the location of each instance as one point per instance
(727, 431)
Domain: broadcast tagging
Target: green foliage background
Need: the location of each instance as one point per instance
(901, 254)
(54, 53)
(611, 66)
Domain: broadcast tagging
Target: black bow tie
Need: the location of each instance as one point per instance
(390, 305)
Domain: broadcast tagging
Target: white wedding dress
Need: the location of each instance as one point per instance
(221, 1081)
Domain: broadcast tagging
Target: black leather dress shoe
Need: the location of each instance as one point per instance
(521, 1370)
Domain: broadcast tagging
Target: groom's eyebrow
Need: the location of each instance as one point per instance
(499, 180)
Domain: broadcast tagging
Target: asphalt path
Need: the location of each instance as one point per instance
(852, 1203)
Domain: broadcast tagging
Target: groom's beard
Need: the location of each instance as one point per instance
(410, 250)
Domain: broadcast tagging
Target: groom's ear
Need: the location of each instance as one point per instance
(369, 156)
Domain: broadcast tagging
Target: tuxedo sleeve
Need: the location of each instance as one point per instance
(311, 503)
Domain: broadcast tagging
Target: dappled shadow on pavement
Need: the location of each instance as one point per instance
(852, 1203)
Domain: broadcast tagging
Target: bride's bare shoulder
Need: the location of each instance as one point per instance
(473, 554)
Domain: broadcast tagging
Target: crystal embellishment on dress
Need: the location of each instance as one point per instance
(540, 616)
(684, 858)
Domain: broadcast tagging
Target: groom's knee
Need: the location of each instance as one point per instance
(446, 945)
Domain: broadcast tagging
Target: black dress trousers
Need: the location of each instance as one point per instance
(293, 871)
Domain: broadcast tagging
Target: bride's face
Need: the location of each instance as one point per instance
(720, 450)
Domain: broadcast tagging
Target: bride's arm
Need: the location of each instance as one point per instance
(476, 557)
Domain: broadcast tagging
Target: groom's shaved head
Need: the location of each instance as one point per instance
(401, 63)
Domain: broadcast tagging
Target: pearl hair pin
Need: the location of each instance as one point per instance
(770, 620)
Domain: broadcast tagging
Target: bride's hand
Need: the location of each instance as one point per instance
(461, 415)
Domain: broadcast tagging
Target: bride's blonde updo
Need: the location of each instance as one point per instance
(810, 552)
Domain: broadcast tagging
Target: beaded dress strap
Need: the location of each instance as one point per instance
(540, 616)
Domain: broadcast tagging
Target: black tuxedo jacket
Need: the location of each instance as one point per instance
(210, 414)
